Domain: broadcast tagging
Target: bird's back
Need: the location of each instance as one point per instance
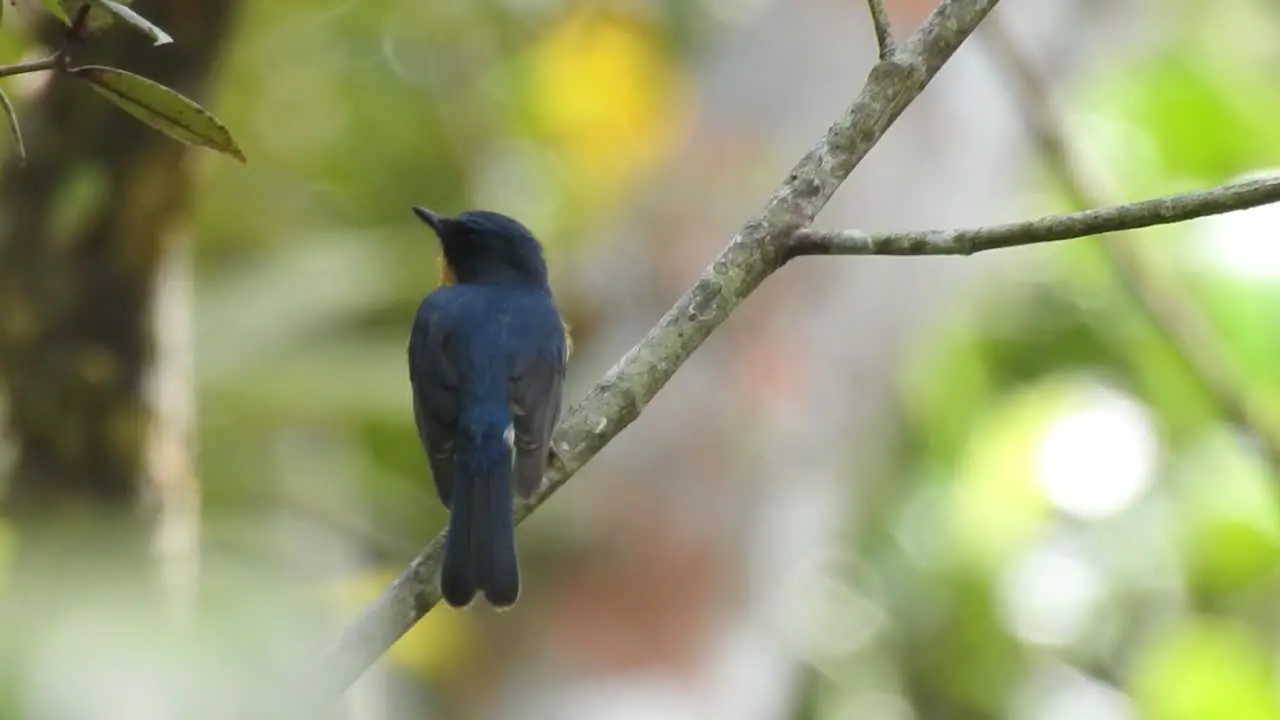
(483, 320)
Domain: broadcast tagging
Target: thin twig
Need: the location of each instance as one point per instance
(47, 63)
(1167, 308)
(884, 31)
(758, 249)
(12, 115)
(57, 61)
(966, 241)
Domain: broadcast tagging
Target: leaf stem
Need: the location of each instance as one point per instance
(48, 63)
(12, 116)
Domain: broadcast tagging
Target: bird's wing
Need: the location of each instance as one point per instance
(536, 384)
(434, 377)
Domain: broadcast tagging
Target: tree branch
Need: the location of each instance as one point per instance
(1166, 307)
(53, 62)
(966, 241)
(884, 31)
(755, 252)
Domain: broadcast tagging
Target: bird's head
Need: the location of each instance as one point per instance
(487, 247)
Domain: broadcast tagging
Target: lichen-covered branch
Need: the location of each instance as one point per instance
(1167, 307)
(966, 241)
(758, 249)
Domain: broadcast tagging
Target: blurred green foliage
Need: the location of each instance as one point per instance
(1032, 567)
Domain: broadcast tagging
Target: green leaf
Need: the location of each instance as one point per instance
(161, 108)
(55, 8)
(123, 12)
(102, 13)
(99, 14)
(12, 116)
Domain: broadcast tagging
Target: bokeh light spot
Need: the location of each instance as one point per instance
(1242, 243)
(1099, 458)
(1049, 596)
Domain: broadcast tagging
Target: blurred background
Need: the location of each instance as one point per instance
(887, 488)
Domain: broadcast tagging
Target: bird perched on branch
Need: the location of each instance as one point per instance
(487, 358)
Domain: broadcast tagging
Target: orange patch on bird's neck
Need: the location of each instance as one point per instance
(446, 272)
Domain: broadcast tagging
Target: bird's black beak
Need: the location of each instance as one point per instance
(436, 222)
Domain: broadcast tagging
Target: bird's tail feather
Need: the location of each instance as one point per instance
(480, 548)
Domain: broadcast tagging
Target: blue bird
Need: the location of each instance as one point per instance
(487, 356)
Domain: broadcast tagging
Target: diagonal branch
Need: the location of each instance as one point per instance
(1166, 307)
(884, 31)
(755, 252)
(966, 241)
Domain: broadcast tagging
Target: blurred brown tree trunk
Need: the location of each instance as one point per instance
(85, 230)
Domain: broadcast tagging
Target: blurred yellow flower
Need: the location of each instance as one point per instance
(609, 98)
